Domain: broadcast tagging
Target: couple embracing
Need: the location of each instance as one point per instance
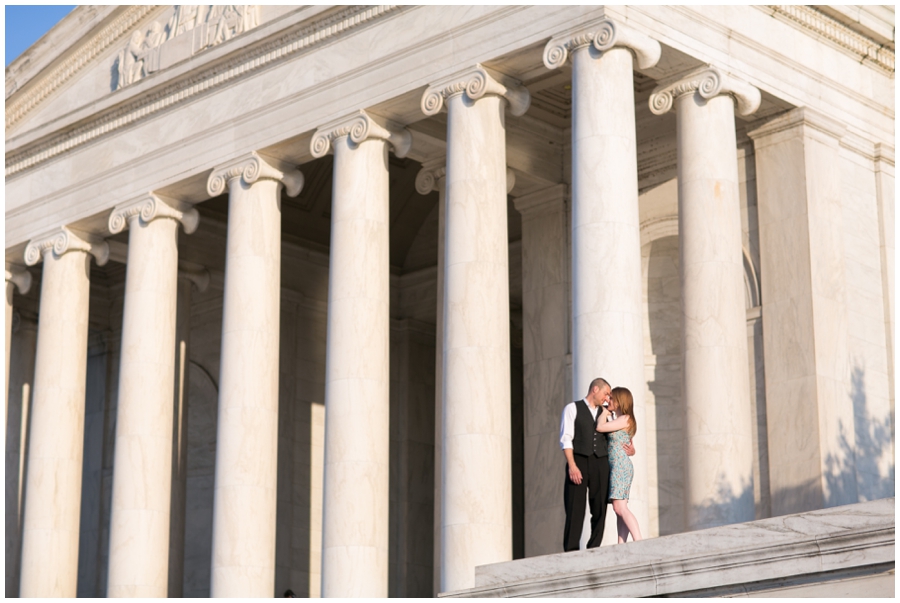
(595, 436)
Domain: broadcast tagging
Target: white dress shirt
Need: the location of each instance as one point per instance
(567, 424)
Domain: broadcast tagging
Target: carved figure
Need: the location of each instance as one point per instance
(155, 36)
(224, 23)
(185, 18)
(221, 23)
(131, 64)
(249, 16)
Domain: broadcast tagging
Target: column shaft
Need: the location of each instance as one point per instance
(431, 178)
(545, 306)
(180, 438)
(607, 298)
(22, 280)
(142, 471)
(24, 342)
(56, 446)
(715, 381)
(10, 288)
(439, 382)
(243, 563)
(357, 405)
(476, 523)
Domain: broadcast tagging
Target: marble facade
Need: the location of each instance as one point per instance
(408, 236)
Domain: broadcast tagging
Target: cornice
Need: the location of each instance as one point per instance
(709, 82)
(884, 153)
(475, 83)
(150, 207)
(603, 36)
(361, 126)
(809, 19)
(185, 89)
(63, 240)
(75, 62)
(795, 118)
(250, 168)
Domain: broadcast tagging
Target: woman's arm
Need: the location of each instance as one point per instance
(619, 423)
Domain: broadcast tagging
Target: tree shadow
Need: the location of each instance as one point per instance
(861, 469)
(729, 505)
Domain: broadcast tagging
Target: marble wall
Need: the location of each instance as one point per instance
(665, 415)
(868, 394)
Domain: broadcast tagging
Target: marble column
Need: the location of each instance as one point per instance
(357, 378)
(432, 177)
(476, 505)
(607, 298)
(244, 501)
(715, 382)
(545, 306)
(20, 386)
(16, 278)
(142, 468)
(56, 442)
(188, 277)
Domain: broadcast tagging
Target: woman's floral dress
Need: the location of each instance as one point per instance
(621, 471)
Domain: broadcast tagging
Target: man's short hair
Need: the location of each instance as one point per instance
(598, 382)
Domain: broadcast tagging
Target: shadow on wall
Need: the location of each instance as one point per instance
(721, 511)
(871, 457)
(857, 469)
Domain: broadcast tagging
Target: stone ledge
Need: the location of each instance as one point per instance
(853, 542)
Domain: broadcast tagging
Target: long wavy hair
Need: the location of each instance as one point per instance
(625, 406)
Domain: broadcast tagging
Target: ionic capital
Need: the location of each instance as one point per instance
(250, 168)
(149, 207)
(197, 275)
(475, 83)
(433, 171)
(19, 277)
(708, 82)
(361, 126)
(62, 241)
(430, 175)
(603, 36)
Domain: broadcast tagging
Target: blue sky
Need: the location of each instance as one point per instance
(25, 24)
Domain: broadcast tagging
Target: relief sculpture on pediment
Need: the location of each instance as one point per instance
(190, 29)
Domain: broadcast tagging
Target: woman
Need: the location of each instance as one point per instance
(621, 472)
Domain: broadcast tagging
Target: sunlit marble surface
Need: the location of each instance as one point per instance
(856, 537)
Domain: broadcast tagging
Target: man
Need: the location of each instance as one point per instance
(587, 464)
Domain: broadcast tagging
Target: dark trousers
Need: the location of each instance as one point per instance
(594, 483)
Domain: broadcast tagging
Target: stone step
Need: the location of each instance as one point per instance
(840, 551)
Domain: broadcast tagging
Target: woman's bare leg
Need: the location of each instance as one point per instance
(622, 529)
(631, 525)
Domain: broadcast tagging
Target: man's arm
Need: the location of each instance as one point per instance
(574, 471)
(629, 448)
(566, 434)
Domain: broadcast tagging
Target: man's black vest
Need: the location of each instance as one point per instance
(587, 441)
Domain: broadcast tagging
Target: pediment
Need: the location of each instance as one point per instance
(96, 52)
